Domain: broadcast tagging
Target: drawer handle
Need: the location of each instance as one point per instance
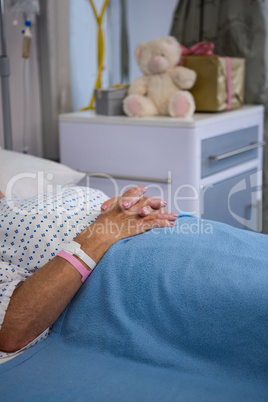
(237, 151)
(119, 177)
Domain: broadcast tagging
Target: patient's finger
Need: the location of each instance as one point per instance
(135, 192)
(128, 202)
(161, 214)
(156, 223)
(167, 216)
(145, 211)
(132, 196)
(156, 203)
(109, 204)
(150, 205)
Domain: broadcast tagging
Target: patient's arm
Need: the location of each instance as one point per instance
(1, 195)
(37, 303)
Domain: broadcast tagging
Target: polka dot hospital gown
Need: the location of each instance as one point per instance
(31, 231)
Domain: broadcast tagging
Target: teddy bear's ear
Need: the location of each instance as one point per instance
(139, 50)
(170, 40)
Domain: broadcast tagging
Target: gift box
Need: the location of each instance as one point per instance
(219, 84)
(110, 101)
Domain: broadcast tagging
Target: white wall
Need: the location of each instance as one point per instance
(146, 20)
(83, 54)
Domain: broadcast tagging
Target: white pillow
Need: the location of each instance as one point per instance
(24, 176)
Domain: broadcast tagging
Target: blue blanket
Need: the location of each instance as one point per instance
(176, 314)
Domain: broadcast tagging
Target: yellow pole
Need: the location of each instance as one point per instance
(99, 19)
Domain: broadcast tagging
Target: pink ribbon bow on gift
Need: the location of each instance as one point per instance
(200, 48)
(205, 48)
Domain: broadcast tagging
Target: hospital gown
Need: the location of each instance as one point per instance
(31, 231)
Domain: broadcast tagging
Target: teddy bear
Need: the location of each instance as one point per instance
(163, 88)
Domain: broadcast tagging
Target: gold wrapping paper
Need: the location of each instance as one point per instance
(210, 89)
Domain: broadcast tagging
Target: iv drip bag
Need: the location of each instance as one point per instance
(24, 6)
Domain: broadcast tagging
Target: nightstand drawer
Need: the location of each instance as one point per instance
(235, 201)
(134, 152)
(228, 150)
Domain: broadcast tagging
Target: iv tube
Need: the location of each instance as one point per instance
(27, 36)
(26, 106)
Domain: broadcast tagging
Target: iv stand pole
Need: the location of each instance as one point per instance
(4, 74)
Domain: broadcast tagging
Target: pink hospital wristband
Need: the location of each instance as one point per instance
(76, 264)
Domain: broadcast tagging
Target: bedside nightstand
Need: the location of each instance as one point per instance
(210, 167)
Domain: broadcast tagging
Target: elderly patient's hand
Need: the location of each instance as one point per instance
(133, 213)
(131, 197)
(126, 216)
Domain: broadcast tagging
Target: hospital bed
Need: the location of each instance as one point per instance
(171, 315)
